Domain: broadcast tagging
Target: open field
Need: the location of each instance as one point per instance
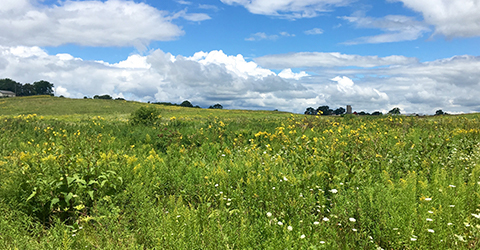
(75, 174)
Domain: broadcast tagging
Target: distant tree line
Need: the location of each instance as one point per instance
(37, 88)
(326, 110)
(186, 104)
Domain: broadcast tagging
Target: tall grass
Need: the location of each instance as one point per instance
(204, 179)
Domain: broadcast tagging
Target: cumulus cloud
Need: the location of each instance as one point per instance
(334, 59)
(87, 23)
(206, 78)
(289, 74)
(292, 9)
(395, 28)
(450, 18)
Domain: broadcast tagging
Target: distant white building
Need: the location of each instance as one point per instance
(6, 93)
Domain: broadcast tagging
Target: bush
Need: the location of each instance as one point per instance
(145, 116)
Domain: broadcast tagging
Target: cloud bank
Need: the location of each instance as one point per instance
(206, 78)
(88, 23)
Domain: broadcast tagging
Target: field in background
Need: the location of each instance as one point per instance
(75, 174)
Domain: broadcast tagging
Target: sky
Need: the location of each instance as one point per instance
(374, 55)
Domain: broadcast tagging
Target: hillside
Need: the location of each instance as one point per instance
(78, 108)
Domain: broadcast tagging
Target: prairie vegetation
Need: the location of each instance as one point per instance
(93, 175)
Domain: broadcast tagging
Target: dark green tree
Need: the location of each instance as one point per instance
(377, 113)
(325, 110)
(394, 111)
(439, 112)
(186, 104)
(43, 88)
(339, 111)
(105, 97)
(310, 111)
(216, 106)
(10, 85)
(27, 90)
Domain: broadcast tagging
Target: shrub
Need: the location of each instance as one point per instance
(145, 116)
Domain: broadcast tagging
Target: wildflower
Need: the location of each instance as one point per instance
(430, 230)
(395, 229)
(452, 206)
(430, 212)
(325, 219)
(280, 223)
(449, 224)
(334, 191)
(352, 219)
(476, 216)
(269, 214)
(452, 186)
(428, 219)
(302, 236)
(322, 242)
(285, 178)
(428, 199)
(316, 223)
(413, 239)
(353, 229)
(290, 228)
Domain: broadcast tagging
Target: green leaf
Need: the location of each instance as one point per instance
(54, 201)
(70, 180)
(68, 197)
(91, 194)
(32, 195)
(92, 182)
(82, 181)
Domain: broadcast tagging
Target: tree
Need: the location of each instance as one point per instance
(394, 111)
(439, 112)
(216, 106)
(27, 90)
(325, 110)
(339, 111)
(43, 88)
(10, 85)
(377, 113)
(106, 97)
(310, 111)
(186, 104)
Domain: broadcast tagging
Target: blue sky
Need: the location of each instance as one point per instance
(251, 54)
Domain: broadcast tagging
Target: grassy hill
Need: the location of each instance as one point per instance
(68, 108)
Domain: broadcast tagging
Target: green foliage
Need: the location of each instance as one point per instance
(209, 179)
(145, 116)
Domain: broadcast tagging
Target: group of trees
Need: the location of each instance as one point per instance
(326, 110)
(27, 89)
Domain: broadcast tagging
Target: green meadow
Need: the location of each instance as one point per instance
(111, 174)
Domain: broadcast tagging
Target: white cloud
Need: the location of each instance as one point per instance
(314, 31)
(289, 74)
(87, 23)
(346, 90)
(334, 59)
(206, 78)
(396, 28)
(194, 17)
(261, 36)
(293, 9)
(455, 18)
